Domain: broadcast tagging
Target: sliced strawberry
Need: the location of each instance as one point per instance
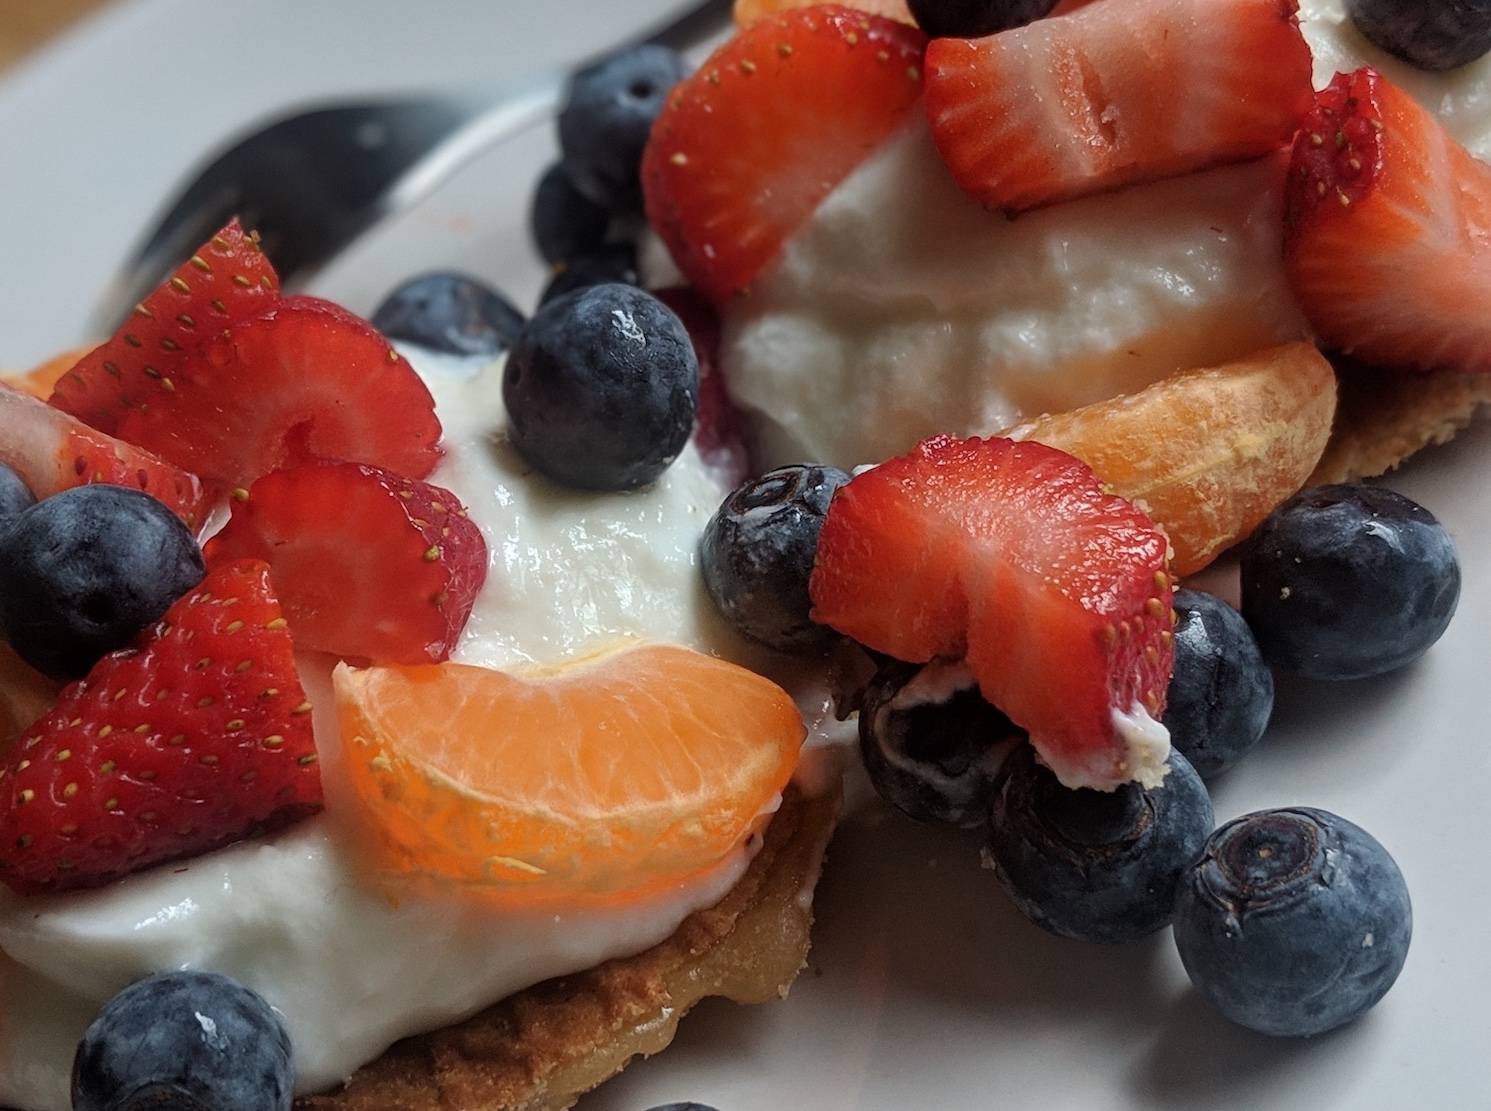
(228, 279)
(369, 565)
(199, 736)
(717, 424)
(1115, 94)
(749, 145)
(1011, 556)
(1387, 246)
(303, 380)
(52, 451)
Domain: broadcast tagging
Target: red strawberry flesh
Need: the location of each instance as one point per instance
(1115, 94)
(747, 148)
(197, 737)
(1012, 557)
(717, 424)
(301, 381)
(368, 564)
(1386, 244)
(52, 452)
(227, 280)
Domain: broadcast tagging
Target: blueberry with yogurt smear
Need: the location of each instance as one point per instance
(449, 312)
(1348, 582)
(1091, 865)
(1293, 922)
(973, 19)
(931, 743)
(607, 119)
(1429, 34)
(187, 1040)
(757, 554)
(1222, 692)
(601, 389)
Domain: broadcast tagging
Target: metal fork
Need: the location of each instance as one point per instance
(314, 180)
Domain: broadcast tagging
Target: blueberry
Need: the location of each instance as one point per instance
(184, 1041)
(15, 495)
(972, 19)
(1430, 34)
(1293, 922)
(1094, 866)
(931, 742)
(449, 312)
(1222, 692)
(689, 1106)
(757, 555)
(86, 570)
(607, 118)
(1345, 582)
(613, 262)
(601, 388)
(564, 223)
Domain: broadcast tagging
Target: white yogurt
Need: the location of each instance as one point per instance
(904, 309)
(294, 917)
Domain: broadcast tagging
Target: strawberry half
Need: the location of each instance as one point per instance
(1115, 94)
(199, 736)
(52, 452)
(1012, 557)
(303, 380)
(228, 279)
(747, 148)
(1387, 246)
(369, 565)
(717, 425)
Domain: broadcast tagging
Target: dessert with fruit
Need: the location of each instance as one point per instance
(960, 338)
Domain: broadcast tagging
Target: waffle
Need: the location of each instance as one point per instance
(542, 1049)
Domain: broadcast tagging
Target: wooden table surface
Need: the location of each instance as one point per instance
(27, 24)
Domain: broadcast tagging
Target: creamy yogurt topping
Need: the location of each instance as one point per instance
(293, 916)
(903, 308)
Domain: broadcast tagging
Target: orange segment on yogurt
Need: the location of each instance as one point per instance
(1210, 453)
(603, 776)
(40, 380)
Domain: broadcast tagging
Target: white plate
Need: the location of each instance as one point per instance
(926, 990)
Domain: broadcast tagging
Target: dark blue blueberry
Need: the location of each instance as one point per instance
(1222, 692)
(564, 223)
(757, 555)
(931, 742)
(1345, 582)
(86, 570)
(15, 495)
(689, 1106)
(1430, 34)
(601, 388)
(607, 118)
(613, 262)
(1293, 922)
(449, 312)
(1091, 865)
(972, 19)
(184, 1041)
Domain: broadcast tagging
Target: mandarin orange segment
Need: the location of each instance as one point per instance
(611, 775)
(40, 380)
(25, 695)
(1209, 453)
(748, 11)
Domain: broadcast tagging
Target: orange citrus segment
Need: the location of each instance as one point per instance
(748, 11)
(1210, 453)
(40, 380)
(25, 695)
(609, 775)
